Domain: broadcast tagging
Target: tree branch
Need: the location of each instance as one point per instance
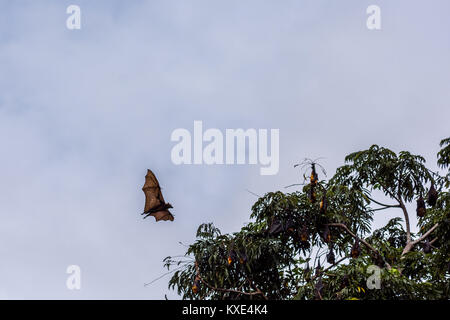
(257, 292)
(343, 226)
(411, 244)
(386, 190)
(426, 234)
(382, 208)
(408, 228)
(382, 204)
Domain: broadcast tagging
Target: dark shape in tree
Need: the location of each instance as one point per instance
(323, 205)
(276, 227)
(378, 260)
(196, 285)
(231, 257)
(289, 226)
(331, 259)
(304, 235)
(427, 246)
(312, 194)
(356, 249)
(318, 289)
(307, 272)
(318, 269)
(421, 210)
(326, 234)
(242, 258)
(432, 195)
(314, 176)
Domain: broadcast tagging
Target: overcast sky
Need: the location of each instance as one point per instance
(84, 113)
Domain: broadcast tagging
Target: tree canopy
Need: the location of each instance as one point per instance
(318, 242)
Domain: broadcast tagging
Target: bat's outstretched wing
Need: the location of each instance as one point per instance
(154, 200)
(152, 192)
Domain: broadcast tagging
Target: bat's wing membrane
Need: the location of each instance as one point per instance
(162, 215)
(152, 192)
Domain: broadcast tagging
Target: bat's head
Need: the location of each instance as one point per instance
(168, 206)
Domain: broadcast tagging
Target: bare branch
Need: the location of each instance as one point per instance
(411, 244)
(382, 204)
(433, 241)
(426, 234)
(408, 228)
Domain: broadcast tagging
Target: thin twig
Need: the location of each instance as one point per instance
(255, 194)
(165, 274)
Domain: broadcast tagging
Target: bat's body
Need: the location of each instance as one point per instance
(154, 201)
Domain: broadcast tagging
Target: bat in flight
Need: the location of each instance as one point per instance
(154, 201)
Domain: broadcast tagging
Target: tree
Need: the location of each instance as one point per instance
(318, 243)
